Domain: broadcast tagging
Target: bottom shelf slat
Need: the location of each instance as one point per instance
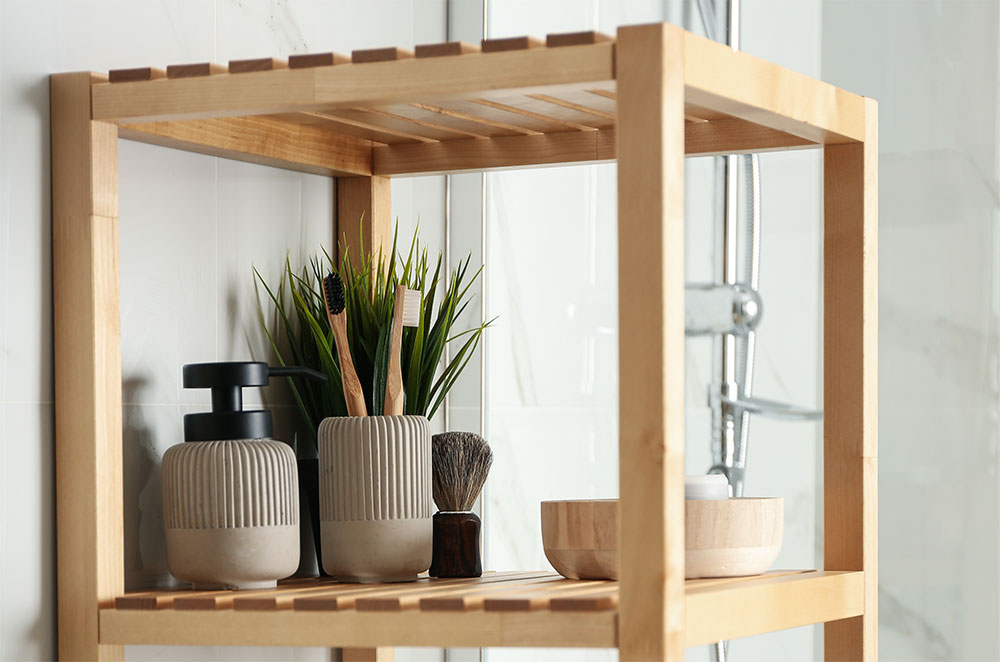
(501, 609)
(770, 602)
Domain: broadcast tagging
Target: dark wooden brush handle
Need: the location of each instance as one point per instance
(456, 545)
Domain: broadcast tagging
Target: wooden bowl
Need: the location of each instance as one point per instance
(724, 538)
(580, 538)
(732, 537)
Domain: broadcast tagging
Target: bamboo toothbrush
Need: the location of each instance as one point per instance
(406, 312)
(333, 292)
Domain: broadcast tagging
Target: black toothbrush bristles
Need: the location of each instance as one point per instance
(461, 462)
(333, 288)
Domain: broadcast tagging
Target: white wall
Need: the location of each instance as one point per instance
(933, 68)
(552, 358)
(551, 386)
(191, 227)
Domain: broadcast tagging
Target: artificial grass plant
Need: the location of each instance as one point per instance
(369, 291)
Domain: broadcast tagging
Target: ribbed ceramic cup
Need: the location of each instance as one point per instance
(375, 497)
(231, 512)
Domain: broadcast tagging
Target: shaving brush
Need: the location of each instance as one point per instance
(461, 461)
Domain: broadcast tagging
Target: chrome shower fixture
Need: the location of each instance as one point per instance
(730, 309)
(718, 309)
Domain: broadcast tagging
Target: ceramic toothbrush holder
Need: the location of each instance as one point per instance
(375, 497)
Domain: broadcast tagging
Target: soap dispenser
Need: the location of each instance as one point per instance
(230, 492)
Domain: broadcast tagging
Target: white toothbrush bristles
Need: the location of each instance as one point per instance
(411, 308)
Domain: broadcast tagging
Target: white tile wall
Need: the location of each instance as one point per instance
(27, 533)
(933, 68)
(168, 245)
(551, 384)
(552, 359)
(191, 228)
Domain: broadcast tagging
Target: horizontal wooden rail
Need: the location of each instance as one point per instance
(498, 609)
(261, 140)
(728, 136)
(721, 79)
(365, 84)
(771, 603)
(361, 629)
(504, 152)
(309, 148)
(735, 136)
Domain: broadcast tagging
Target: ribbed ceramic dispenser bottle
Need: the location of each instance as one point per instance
(230, 492)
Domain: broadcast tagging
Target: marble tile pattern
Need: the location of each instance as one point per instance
(933, 68)
(938, 314)
(551, 383)
(187, 250)
(552, 358)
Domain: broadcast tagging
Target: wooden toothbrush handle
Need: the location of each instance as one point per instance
(354, 396)
(394, 396)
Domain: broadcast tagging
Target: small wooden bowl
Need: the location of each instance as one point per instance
(580, 538)
(724, 538)
(732, 537)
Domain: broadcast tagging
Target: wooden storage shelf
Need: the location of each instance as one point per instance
(471, 111)
(647, 98)
(503, 609)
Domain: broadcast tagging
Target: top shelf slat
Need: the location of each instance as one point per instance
(362, 84)
(527, 104)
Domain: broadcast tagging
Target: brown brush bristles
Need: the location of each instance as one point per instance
(461, 463)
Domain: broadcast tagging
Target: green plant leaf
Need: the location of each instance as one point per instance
(370, 289)
(381, 371)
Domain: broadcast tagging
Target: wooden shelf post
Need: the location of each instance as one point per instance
(364, 215)
(651, 341)
(850, 380)
(380, 654)
(87, 367)
(364, 218)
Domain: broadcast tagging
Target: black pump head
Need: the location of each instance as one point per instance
(228, 420)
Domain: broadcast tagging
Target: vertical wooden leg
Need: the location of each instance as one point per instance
(87, 367)
(364, 215)
(651, 341)
(850, 369)
(381, 654)
(364, 219)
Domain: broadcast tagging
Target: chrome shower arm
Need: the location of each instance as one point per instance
(769, 408)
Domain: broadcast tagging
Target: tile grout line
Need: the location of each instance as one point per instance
(215, 57)
(4, 208)
(218, 323)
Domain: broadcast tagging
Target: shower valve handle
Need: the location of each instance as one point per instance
(771, 408)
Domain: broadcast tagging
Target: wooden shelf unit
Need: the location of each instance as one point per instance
(647, 98)
(503, 609)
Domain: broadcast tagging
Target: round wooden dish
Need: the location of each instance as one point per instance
(580, 538)
(732, 537)
(724, 538)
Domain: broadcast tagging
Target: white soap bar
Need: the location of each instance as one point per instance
(706, 488)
